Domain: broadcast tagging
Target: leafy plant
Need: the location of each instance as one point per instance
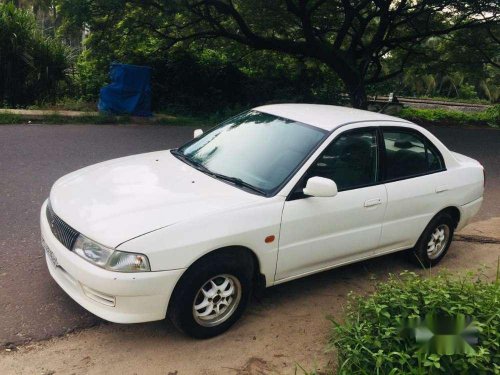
(370, 339)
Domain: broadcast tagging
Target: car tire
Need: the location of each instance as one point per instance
(434, 242)
(212, 294)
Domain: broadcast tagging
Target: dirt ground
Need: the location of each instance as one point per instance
(283, 331)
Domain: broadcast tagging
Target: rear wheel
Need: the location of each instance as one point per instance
(435, 241)
(213, 294)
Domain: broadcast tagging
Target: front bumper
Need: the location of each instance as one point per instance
(114, 296)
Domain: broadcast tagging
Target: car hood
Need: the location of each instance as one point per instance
(114, 201)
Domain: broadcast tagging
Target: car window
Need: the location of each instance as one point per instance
(408, 155)
(350, 160)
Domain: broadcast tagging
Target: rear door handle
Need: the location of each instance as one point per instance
(442, 188)
(373, 202)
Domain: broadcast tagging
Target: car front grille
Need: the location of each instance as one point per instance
(62, 231)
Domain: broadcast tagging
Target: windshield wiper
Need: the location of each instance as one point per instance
(190, 161)
(235, 180)
(239, 182)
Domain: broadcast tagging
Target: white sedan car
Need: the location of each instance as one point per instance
(271, 195)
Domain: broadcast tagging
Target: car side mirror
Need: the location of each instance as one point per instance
(320, 187)
(197, 133)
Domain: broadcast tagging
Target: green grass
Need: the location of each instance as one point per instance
(370, 340)
(101, 119)
(453, 100)
(201, 119)
(490, 117)
(8, 118)
(67, 104)
(183, 121)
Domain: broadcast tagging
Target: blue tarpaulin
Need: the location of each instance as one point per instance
(129, 91)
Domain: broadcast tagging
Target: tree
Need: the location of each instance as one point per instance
(359, 40)
(31, 66)
(464, 64)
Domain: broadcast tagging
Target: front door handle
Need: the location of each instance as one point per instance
(373, 202)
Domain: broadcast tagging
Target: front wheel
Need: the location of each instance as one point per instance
(212, 294)
(435, 241)
(217, 300)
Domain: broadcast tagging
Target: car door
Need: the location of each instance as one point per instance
(321, 232)
(413, 172)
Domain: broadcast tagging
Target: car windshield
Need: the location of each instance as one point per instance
(254, 150)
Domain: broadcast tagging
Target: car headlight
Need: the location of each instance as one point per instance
(110, 259)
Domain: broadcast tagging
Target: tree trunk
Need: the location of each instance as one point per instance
(357, 96)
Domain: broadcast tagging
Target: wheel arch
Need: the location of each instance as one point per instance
(453, 211)
(242, 252)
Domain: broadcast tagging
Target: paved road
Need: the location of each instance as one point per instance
(33, 157)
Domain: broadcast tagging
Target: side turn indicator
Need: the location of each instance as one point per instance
(269, 239)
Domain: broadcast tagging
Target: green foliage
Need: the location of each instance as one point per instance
(8, 118)
(369, 341)
(199, 70)
(462, 65)
(91, 74)
(191, 78)
(490, 117)
(32, 67)
(200, 81)
(251, 51)
(467, 91)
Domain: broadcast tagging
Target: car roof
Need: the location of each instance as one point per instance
(327, 117)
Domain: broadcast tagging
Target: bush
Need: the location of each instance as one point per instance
(490, 117)
(467, 91)
(32, 67)
(370, 342)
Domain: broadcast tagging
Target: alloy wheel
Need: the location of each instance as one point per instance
(438, 241)
(216, 300)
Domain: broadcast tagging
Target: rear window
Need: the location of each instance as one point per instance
(408, 154)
